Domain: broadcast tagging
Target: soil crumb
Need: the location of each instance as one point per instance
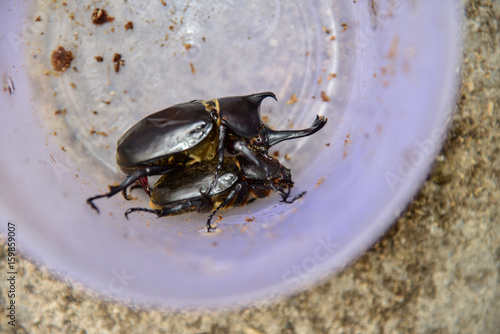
(100, 16)
(117, 59)
(129, 25)
(61, 59)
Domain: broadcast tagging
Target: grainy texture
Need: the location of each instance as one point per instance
(436, 271)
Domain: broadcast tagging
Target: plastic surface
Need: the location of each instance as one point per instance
(383, 73)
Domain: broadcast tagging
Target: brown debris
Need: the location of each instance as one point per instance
(129, 25)
(249, 219)
(61, 59)
(320, 181)
(324, 97)
(293, 99)
(100, 16)
(117, 59)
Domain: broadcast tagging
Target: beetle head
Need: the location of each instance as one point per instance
(241, 114)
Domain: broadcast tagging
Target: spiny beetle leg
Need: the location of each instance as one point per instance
(136, 175)
(129, 211)
(167, 211)
(237, 189)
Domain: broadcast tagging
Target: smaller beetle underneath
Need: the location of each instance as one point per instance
(240, 181)
(194, 141)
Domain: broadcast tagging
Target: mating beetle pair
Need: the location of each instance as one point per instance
(168, 142)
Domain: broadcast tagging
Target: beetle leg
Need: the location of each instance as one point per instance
(241, 147)
(166, 210)
(127, 196)
(136, 175)
(145, 185)
(236, 190)
(220, 152)
(296, 197)
(129, 211)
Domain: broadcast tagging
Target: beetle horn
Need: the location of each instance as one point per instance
(258, 97)
(275, 137)
(241, 114)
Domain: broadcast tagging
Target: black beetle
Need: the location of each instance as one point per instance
(240, 181)
(196, 131)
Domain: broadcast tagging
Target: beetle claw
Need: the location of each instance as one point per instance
(92, 205)
(285, 199)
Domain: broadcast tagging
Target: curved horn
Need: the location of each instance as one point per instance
(275, 137)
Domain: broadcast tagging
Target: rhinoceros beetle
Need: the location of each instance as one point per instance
(197, 131)
(240, 181)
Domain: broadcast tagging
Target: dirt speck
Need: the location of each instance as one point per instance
(129, 25)
(117, 59)
(324, 97)
(347, 139)
(393, 50)
(293, 99)
(60, 111)
(332, 76)
(61, 59)
(100, 16)
(320, 181)
(250, 219)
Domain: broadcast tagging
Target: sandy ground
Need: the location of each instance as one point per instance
(436, 271)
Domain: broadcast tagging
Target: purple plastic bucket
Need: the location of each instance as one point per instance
(385, 76)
